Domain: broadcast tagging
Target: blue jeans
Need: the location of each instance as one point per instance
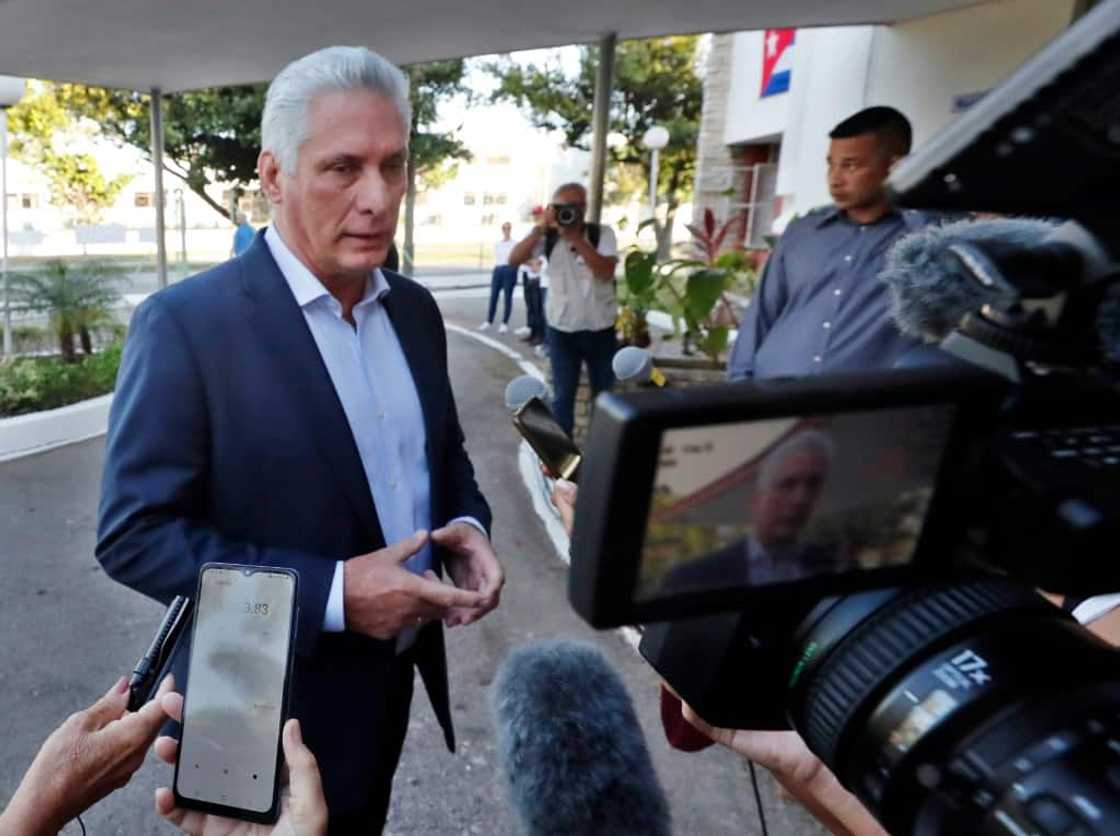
(534, 308)
(502, 280)
(568, 351)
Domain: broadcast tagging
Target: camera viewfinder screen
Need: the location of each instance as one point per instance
(773, 501)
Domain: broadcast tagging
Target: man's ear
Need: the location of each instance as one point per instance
(268, 169)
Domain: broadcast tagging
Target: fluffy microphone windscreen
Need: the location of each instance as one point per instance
(571, 747)
(931, 289)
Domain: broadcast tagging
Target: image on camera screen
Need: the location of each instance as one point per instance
(779, 500)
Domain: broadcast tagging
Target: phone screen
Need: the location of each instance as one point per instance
(548, 439)
(234, 707)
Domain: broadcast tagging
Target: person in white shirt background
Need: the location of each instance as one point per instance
(502, 281)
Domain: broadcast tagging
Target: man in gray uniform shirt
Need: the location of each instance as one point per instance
(819, 307)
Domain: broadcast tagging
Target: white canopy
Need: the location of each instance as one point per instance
(188, 44)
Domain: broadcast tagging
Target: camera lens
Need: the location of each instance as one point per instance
(963, 708)
(567, 215)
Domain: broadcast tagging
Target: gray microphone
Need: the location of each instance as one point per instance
(521, 389)
(571, 747)
(635, 365)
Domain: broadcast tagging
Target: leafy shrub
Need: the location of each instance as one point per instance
(32, 384)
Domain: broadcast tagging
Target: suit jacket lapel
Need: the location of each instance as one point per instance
(313, 398)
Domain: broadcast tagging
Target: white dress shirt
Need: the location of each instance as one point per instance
(370, 373)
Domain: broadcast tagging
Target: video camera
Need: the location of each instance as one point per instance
(857, 557)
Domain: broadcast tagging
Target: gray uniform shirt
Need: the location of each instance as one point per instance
(820, 306)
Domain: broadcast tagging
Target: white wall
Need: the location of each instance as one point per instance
(829, 83)
(920, 67)
(751, 119)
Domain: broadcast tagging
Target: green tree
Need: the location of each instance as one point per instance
(433, 155)
(211, 135)
(41, 126)
(656, 83)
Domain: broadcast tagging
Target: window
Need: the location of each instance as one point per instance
(29, 201)
(143, 200)
(468, 199)
(494, 200)
(488, 220)
(498, 159)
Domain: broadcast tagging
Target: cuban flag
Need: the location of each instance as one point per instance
(777, 60)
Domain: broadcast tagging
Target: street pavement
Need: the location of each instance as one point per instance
(67, 632)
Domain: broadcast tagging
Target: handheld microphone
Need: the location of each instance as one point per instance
(521, 389)
(144, 674)
(569, 740)
(632, 364)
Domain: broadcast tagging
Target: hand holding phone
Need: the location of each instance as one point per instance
(236, 698)
(557, 452)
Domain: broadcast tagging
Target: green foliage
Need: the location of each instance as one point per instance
(41, 126)
(211, 135)
(693, 291)
(77, 300)
(656, 83)
(36, 383)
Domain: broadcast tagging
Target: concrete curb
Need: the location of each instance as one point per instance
(38, 432)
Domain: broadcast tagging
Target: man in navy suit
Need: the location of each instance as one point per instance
(291, 407)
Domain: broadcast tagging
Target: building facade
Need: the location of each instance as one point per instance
(764, 138)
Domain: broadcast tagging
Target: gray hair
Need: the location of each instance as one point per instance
(813, 440)
(285, 125)
(573, 185)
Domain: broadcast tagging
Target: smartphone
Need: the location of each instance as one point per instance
(558, 452)
(236, 699)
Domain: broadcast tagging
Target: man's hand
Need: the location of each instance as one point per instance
(303, 807)
(382, 597)
(94, 752)
(473, 567)
(801, 772)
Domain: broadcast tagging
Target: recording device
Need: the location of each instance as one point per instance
(555, 447)
(857, 557)
(236, 698)
(571, 747)
(149, 668)
(635, 365)
(568, 214)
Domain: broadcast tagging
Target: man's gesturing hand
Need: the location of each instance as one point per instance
(382, 597)
(473, 567)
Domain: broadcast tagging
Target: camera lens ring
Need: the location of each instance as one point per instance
(824, 702)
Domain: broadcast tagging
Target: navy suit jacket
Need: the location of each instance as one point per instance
(227, 442)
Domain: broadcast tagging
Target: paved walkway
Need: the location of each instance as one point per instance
(68, 632)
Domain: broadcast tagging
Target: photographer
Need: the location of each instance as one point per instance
(581, 302)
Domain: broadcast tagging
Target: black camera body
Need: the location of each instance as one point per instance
(569, 214)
